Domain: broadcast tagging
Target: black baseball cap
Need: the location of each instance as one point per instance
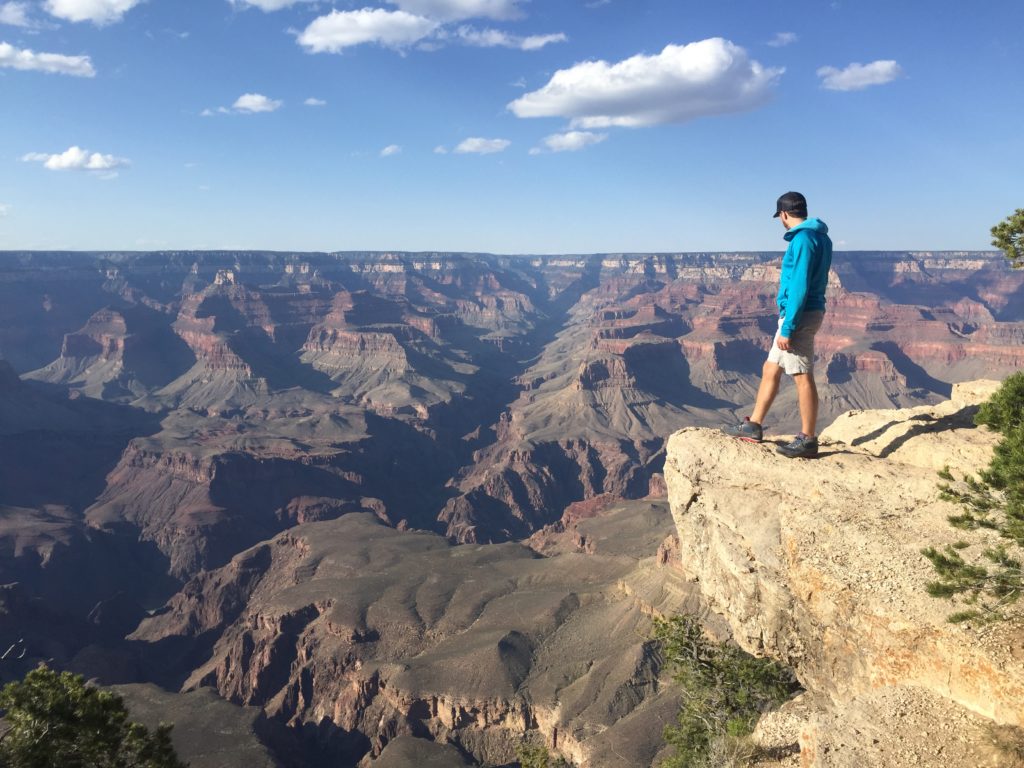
(792, 202)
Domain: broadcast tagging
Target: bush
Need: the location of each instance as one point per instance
(57, 720)
(990, 583)
(537, 756)
(725, 691)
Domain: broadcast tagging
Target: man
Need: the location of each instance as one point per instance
(801, 302)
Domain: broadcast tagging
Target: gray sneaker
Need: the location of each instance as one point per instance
(802, 447)
(745, 430)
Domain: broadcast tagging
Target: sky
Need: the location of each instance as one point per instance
(506, 126)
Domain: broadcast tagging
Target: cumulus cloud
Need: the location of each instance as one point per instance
(99, 12)
(54, 63)
(440, 150)
(492, 38)
(856, 77)
(251, 103)
(267, 5)
(456, 10)
(4, 209)
(314, 102)
(338, 30)
(390, 149)
(683, 82)
(76, 159)
(15, 14)
(570, 141)
(478, 146)
(783, 39)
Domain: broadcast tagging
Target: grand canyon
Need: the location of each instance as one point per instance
(402, 509)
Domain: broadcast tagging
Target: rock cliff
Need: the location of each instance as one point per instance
(817, 563)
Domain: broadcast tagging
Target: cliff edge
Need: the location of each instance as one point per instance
(817, 563)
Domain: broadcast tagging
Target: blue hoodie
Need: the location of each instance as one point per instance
(804, 272)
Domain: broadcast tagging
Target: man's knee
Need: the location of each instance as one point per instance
(771, 370)
(804, 380)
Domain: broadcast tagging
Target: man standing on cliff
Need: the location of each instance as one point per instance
(801, 302)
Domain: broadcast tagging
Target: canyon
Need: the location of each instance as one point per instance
(371, 502)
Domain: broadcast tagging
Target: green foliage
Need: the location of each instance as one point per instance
(994, 579)
(1008, 236)
(724, 692)
(1004, 411)
(537, 756)
(57, 720)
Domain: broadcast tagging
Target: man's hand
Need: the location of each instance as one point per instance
(783, 343)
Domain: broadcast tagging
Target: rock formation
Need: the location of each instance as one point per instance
(818, 563)
(376, 635)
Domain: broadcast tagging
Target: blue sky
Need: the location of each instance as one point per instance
(530, 126)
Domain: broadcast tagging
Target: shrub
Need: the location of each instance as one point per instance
(537, 756)
(724, 691)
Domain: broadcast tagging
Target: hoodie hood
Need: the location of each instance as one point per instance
(815, 225)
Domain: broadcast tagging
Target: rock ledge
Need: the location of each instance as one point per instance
(817, 563)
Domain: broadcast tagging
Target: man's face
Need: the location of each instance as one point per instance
(786, 219)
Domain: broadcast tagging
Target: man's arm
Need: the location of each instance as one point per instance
(803, 255)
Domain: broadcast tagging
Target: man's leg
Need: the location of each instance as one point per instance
(807, 395)
(771, 375)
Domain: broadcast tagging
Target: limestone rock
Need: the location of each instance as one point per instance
(818, 563)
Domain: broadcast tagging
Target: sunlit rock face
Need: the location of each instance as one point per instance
(818, 563)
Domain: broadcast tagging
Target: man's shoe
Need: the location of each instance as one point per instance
(802, 447)
(745, 430)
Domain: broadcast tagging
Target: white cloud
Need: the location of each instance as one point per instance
(783, 39)
(856, 77)
(440, 150)
(456, 10)
(77, 159)
(390, 149)
(491, 38)
(314, 102)
(683, 82)
(570, 141)
(251, 103)
(54, 63)
(4, 209)
(338, 30)
(15, 14)
(99, 12)
(477, 146)
(267, 5)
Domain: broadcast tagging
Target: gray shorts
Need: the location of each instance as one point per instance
(800, 357)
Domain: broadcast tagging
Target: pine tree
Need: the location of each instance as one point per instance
(1008, 236)
(55, 719)
(994, 500)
